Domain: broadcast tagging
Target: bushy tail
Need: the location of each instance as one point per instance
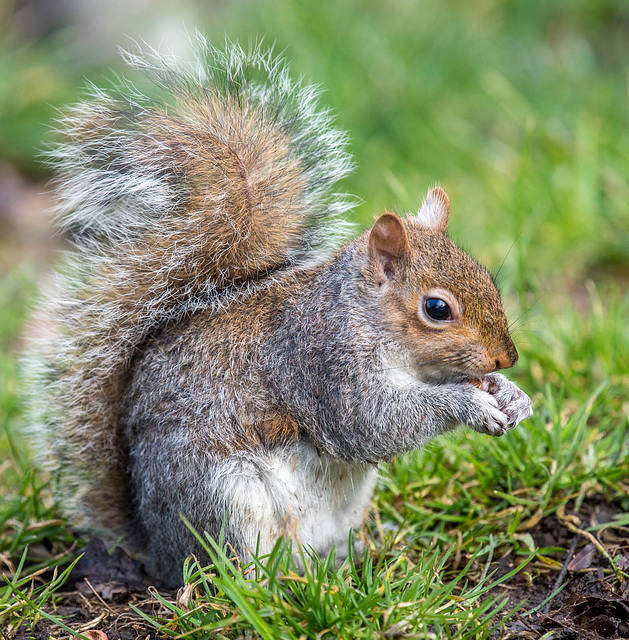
(220, 174)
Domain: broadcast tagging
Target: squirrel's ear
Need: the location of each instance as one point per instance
(388, 241)
(435, 211)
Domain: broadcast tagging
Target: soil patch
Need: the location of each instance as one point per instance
(584, 593)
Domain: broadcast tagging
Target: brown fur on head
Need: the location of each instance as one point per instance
(413, 261)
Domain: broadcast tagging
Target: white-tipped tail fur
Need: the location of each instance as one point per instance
(220, 173)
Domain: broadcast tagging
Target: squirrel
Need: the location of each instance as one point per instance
(216, 346)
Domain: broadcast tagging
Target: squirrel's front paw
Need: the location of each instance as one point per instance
(511, 400)
(486, 415)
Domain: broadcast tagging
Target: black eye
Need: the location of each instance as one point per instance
(437, 309)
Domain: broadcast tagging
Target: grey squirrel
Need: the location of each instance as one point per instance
(214, 347)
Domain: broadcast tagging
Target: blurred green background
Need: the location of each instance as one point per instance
(519, 109)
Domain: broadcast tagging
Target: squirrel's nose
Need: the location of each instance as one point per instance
(507, 358)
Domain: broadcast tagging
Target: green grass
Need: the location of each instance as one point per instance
(520, 111)
(382, 590)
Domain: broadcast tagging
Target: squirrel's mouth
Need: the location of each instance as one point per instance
(473, 364)
(451, 375)
(402, 371)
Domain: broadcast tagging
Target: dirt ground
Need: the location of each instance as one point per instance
(592, 604)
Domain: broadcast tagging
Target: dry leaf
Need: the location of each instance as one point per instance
(583, 559)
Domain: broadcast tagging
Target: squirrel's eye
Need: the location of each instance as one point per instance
(437, 309)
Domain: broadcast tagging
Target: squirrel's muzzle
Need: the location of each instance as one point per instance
(507, 358)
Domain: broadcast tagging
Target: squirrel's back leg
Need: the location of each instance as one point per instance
(257, 497)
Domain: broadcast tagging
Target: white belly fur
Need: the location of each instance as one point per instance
(299, 492)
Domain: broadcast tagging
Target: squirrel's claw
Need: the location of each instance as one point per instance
(511, 400)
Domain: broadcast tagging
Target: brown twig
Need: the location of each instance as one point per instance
(98, 596)
(572, 523)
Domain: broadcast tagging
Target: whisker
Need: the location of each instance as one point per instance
(502, 264)
(523, 323)
(526, 311)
